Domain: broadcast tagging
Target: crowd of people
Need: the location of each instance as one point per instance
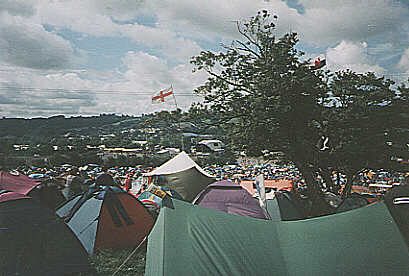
(270, 171)
(71, 180)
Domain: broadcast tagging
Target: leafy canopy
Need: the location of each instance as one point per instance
(269, 98)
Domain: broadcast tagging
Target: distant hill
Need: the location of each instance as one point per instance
(59, 125)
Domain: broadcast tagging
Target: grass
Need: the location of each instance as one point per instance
(106, 262)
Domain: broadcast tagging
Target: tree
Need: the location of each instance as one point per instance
(6, 149)
(269, 99)
(265, 94)
(359, 119)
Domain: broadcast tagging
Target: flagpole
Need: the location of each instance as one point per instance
(180, 129)
(173, 94)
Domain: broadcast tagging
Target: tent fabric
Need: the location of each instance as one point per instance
(179, 163)
(107, 218)
(36, 242)
(182, 175)
(353, 201)
(399, 212)
(147, 196)
(283, 208)
(48, 194)
(193, 240)
(16, 182)
(273, 209)
(7, 196)
(230, 197)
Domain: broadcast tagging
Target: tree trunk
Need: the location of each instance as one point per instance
(326, 175)
(316, 206)
(348, 186)
(337, 183)
(307, 174)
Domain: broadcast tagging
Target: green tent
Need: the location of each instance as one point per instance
(193, 240)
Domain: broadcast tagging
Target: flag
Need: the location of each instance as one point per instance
(162, 96)
(319, 63)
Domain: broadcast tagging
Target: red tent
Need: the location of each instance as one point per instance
(16, 182)
(6, 196)
(107, 218)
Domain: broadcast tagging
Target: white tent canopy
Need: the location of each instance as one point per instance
(183, 175)
(179, 163)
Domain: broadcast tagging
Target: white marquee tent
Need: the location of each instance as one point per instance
(182, 175)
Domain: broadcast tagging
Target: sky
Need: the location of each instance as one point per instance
(88, 57)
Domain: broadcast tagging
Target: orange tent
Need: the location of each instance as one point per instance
(108, 218)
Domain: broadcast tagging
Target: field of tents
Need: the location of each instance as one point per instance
(182, 221)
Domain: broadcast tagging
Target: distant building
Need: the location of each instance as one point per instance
(209, 146)
(21, 147)
(116, 152)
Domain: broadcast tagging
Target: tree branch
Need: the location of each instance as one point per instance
(247, 49)
(248, 37)
(229, 82)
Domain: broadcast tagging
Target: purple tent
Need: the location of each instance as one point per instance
(229, 197)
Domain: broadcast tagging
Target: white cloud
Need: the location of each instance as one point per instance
(181, 49)
(84, 92)
(165, 46)
(142, 67)
(146, 35)
(76, 15)
(174, 47)
(330, 21)
(16, 7)
(326, 22)
(148, 74)
(403, 66)
(121, 10)
(404, 61)
(32, 93)
(213, 18)
(27, 44)
(353, 56)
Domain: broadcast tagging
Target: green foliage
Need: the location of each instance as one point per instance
(219, 158)
(269, 99)
(261, 89)
(360, 120)
(264, 94)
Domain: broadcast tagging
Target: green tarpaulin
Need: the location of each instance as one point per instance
(193, 240)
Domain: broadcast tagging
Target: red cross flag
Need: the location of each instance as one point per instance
(162, 96)
(319, 62)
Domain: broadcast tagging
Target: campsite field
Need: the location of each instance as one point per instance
(108, 261)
